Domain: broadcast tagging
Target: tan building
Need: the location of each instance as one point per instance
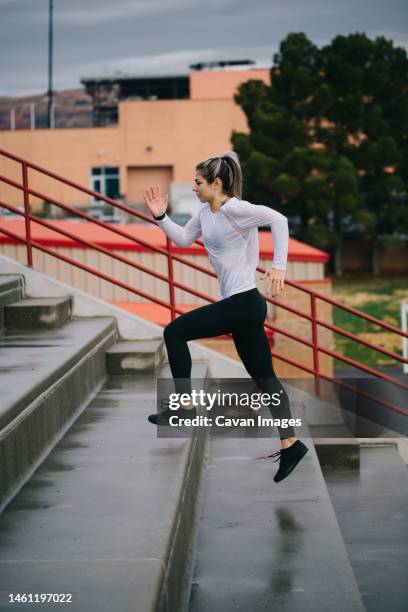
(155, 141)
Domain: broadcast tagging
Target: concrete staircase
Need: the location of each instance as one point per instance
(50, 366)
(95, 504)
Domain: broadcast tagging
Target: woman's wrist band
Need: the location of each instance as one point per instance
(160, 217)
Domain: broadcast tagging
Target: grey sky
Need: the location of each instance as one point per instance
(95, 37)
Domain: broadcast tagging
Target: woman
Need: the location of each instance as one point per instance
(228, 226)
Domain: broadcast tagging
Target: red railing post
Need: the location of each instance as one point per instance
(171, 279)
(27, 216)
(315, 344)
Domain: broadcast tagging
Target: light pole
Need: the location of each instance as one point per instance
(50, 61)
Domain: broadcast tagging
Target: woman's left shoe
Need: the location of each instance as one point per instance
(289, 458)
(162, 418)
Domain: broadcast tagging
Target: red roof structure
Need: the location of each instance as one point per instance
(298, 251)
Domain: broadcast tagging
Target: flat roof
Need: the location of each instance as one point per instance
(216, 66)
(130, 77)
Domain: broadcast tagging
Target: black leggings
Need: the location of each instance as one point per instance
(242, 315)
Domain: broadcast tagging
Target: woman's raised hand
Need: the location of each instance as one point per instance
(153, 198)
(275, 280)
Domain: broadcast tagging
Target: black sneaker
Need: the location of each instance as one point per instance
(289, 458)
(162, 418)
(165, 410)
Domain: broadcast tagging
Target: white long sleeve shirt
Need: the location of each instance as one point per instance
(231, 239)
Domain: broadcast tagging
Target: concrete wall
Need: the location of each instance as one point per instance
(357, 257)
(68, 152)
(180, 133)
(218, 84)
(152, 135)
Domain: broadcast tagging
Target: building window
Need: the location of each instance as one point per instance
(105, 180)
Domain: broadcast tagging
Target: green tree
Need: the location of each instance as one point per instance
(367, 109)
(328, 140)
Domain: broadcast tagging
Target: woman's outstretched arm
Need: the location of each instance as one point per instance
(182, 236)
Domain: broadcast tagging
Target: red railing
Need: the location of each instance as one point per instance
(315, 322)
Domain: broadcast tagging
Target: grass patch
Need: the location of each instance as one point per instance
(380, 298)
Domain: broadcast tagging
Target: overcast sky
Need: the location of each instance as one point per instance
(99, 37)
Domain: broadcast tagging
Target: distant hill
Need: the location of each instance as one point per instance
(72, 108)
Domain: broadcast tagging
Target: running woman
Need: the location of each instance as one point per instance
(229, 228)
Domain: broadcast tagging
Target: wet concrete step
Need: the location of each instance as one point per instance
(44, 313)
(11, 290)
(264, 545)
(9, 284)
(371, 507)
(108, 515)
(45, 375)
(336, 446)
(135, 357)
(367, 418)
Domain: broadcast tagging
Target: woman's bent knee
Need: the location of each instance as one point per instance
(170, 332)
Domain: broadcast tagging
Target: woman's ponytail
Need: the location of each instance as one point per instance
(235, 187)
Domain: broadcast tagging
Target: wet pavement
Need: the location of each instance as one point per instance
(371, 505)
(264, 545)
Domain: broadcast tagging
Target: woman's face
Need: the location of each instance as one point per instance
(204, 191)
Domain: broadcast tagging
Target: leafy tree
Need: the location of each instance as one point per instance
(328, 140)
(367, 107)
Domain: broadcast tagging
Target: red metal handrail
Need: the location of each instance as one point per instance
(171, 256)
(140, 215)
(111, 228)
(97, 247)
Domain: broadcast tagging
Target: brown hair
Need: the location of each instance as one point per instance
(227, 168)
